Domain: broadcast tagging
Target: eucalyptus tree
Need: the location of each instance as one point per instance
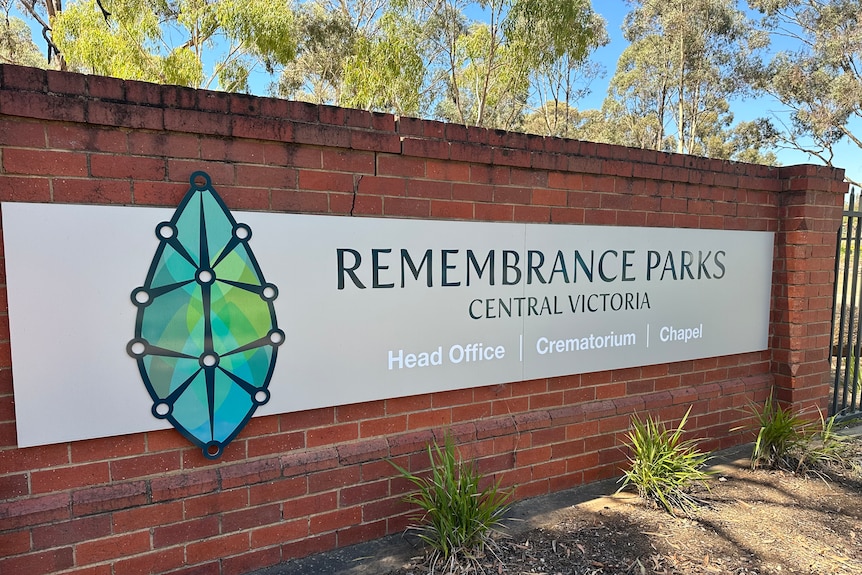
(355, 53)
(386, 71)
(560, 72)
(485, 72)
(325, 40)
(16, 42)
(673, 82)
(818, 78)
(198, 43)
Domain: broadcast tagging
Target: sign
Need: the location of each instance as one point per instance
(377, 308)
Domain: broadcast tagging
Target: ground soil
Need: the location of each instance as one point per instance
(763, 522)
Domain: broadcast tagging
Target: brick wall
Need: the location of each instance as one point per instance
(295, 484)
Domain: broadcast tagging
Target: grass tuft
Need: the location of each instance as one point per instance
(663, 466)
(790, 441)
(458, 517)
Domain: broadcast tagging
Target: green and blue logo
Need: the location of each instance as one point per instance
(206, 337)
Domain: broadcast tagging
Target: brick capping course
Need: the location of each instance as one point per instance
(297, 483)
(119, 103)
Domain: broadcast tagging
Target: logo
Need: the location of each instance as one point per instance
(206, 337)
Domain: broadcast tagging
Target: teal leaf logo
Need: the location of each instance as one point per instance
(206, 336)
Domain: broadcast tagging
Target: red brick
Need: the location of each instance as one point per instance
(451, 210)
(29, 189)
(383, 426)
(92, 191)
(356, 494)
(194, 458)
(400, 166)
(546, 197)
(278, 490)
(164, 144)
(125, 115)
(406, 207)
(14, 486)
(359, 533)
(42, 563)
(98, 550)
(22, 133)
(250, 472)
(293, 201)
(43, 106)
(109, 498)
(151, 563)
(333, 479)
(215, 503)
(33, 511)
(69, 477)
(311, 505)
(471, 412)
(332, 434)
(358, 411)
(216, 548)
(169, 535)
(14, 543)
(221, 173)
(309, 461)
(408, 404)
(341, 203)
(69, 532)
(115, 166)
(335, 520)
(275, 129)
(143, 465)
(44, 162)
(197, 122)
(275, 444)
(369, 450)
(430, 418)
(429, 189)
(157, 193)
(25, 78)
(78, 137)
(348, 161)
(320, 135)
(247, 518)
(107, 448)
(147, 516)
(181, 485)
(245, 563)
(494, 212)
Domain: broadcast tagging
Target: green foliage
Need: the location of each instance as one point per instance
(139, 40)
(818, 77)
(387, 71)
(781, 436)
(673, 82)
(663, 465)
(787, 440)
(16, 44)
(458, 516)
(326, 39)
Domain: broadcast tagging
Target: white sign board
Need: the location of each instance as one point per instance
(377, 308)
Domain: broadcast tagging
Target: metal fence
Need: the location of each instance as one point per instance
(846, 327)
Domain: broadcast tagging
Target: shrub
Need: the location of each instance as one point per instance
(825, 448)
(663, 466)
(781, 436)
(458, 518)
(791, 442)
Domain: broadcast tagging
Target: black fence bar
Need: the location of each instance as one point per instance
(846, 325)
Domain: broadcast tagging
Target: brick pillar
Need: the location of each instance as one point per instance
(809, 215)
